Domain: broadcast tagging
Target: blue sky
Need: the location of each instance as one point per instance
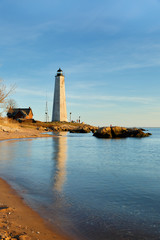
(109, 51)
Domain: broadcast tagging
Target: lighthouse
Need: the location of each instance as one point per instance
(59, 102)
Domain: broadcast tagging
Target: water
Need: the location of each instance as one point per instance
(93, 189)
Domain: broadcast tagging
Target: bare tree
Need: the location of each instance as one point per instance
(4, 93)
(10, 103)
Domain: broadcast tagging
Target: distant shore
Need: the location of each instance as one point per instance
(34, 129)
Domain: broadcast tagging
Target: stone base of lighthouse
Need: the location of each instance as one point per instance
(59, 102)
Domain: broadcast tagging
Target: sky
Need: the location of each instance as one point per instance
(109, 51)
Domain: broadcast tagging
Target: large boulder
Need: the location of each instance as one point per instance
(119, 132)
(104, 132)
(80, 130)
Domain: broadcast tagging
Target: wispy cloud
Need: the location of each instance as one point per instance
(141, 100)
(92, 105)
(82, 98)
(127, 66)
(24, 32)
(33, 92)
(103, 59)
(83, 85)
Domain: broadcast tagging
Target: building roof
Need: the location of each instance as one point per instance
(24, 111)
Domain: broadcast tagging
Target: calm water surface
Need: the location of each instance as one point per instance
(93, 189)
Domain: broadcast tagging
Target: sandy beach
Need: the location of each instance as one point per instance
(22, 134)
(16, 132)
(18, 221)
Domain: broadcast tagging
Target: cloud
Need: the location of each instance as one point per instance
(92, 105)
(127, 66)
(122, 55)
(33, 92)
(15, 33)
(84, 85)
(112, 99)
(141, 100)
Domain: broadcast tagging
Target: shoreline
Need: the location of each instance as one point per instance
(27, 133)
(19, 221)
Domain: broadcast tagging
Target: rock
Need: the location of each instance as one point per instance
(4, 208)
(24, 237)
(3, 235)
(119, 132)
(80, 130)
(104, 132)
(138, 133)
(54, 128)
(93, 130)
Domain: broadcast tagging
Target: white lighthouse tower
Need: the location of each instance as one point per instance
(59, 103)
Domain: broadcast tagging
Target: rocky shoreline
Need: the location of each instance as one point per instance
(120, 132)
(31, 128)
(73, 129)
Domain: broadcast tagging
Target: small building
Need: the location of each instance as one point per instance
(17, 113)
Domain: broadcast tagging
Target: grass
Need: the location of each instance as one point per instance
(38, 124)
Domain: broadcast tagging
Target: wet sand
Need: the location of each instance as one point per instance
(18, 221)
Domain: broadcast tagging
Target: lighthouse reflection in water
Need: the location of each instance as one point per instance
(60, 157)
